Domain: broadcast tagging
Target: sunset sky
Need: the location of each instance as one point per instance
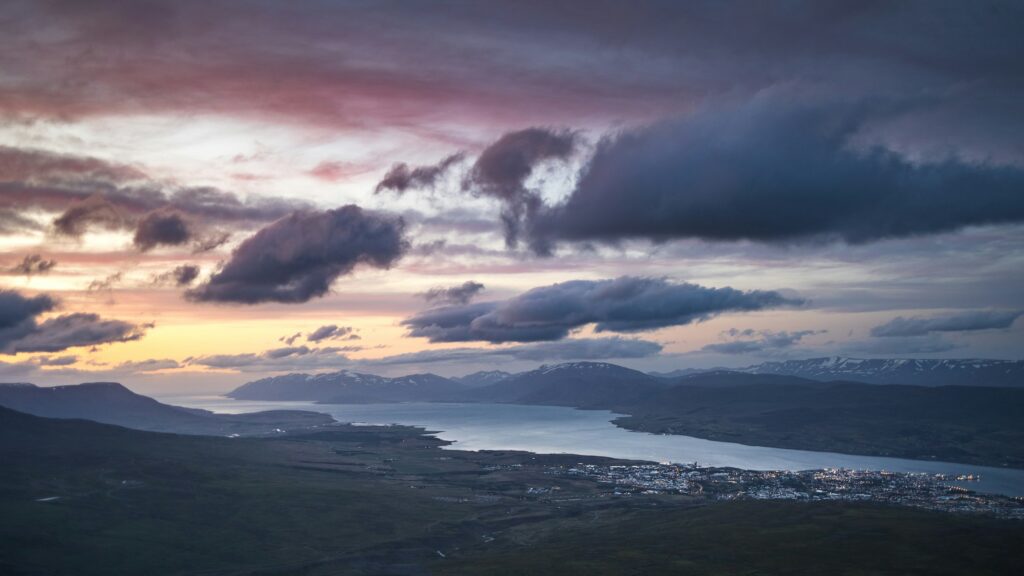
(198, 194)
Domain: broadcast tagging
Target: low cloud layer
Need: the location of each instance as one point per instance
(460, 294)
(298, 257)
(626, 304)
(574, 349)
(307, 359)
(21, 330)
(285, 359)
(332, 332)
(964, 322)
(757, 341)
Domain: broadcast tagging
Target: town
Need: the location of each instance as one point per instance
(929, 491)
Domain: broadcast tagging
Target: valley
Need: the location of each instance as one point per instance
(372, 500)
(982, 425)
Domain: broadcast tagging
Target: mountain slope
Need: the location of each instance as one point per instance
(352, 387)
(483, 378)
(579, 384)
(112, 403)
(980, 425)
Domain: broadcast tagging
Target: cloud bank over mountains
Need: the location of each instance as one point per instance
(626, 304)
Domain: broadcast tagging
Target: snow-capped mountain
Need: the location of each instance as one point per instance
(967, 372)
(483, 378)
(570, 384)
(347, 386)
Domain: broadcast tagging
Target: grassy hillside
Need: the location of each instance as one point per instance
(112, 403)
(747, 538)
(961, 424)
(974, 425)
(81, 498)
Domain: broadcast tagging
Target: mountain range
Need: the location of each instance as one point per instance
(965, 372)
(350, 387)
(963, 423)
(588, 382)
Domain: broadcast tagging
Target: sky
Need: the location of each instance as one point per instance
(198, 194)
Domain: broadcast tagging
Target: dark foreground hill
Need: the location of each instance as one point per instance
(112, 403)
(88, 499)
(974, 425)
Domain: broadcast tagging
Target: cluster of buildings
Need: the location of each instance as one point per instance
(934, 492)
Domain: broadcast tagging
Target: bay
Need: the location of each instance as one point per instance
(561, 430)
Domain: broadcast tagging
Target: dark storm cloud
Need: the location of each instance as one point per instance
(16, 309)
(331, 332)
(345, 64)
(772, 172)
(501, 171)
(460, 294)
(964, 322)
(185, 274)
(161, 228)
(401, 177)
(625, 304)
(32, 264)
(20, 330)
(298, 257)
(71, 330)
(179, 276)
(573, 349)
(753, 341)
(92, 193)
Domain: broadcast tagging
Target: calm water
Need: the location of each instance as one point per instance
(552, 429)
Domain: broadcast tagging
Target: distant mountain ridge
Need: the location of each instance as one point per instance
(112, 403)
(580, 384)
(483, 378)
(586, 383)
(918, 372)
(351, 387)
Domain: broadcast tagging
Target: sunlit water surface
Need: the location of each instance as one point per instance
(554, 430)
